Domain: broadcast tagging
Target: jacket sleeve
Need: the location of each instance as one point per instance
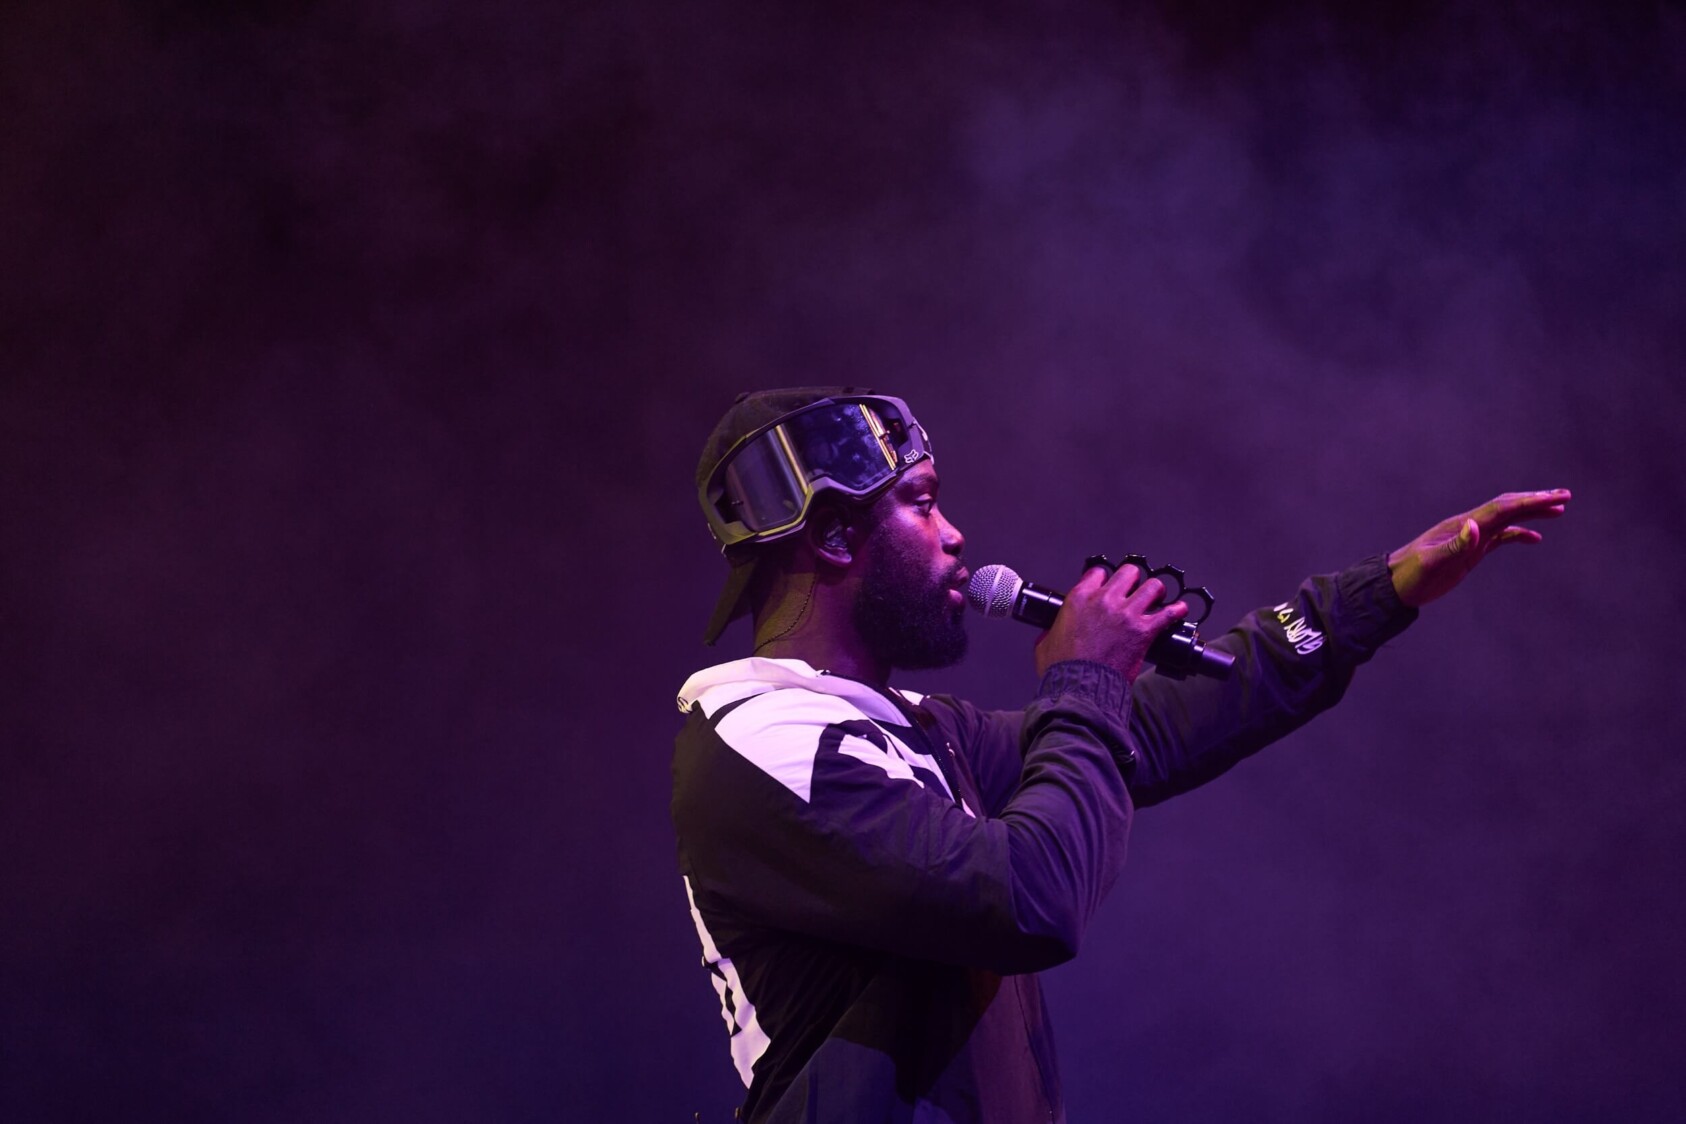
(806, 820)
(1292, 662)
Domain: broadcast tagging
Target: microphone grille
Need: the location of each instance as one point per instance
(993, 589)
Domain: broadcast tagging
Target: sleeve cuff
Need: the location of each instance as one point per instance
(1102, 685)
(1371, 611)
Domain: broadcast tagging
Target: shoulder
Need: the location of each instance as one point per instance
(780, 731)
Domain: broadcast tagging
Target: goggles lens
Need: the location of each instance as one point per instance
(765, 484)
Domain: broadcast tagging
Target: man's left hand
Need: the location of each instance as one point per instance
(1431, 564)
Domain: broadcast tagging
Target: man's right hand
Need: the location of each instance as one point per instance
(1106, 621)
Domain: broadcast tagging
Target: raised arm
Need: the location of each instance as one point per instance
(1295, 659)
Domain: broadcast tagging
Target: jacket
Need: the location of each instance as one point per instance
(876, 876)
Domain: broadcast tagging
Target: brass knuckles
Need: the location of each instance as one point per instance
(1198, 598)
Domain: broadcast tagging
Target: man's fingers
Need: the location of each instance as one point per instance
(1173, 612)
(1093, 578)
(1145, 594)
(1516, 534)
(1514, 506)
(1125, 577)
(1467, 538)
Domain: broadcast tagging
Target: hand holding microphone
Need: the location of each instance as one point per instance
(1118, 621)
(1113, 620)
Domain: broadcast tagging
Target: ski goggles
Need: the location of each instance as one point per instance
(763, 486)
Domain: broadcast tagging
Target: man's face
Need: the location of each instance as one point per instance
(910, 610)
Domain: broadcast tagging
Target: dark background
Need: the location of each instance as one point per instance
(355, 361)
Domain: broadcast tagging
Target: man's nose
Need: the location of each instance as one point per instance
(953, 541)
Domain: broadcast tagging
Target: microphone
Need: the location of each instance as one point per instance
(997, 592)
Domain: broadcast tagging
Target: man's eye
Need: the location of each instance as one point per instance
(925, 506)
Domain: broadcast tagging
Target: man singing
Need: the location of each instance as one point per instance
(875, 875)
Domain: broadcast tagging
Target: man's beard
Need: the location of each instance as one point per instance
(907, 619)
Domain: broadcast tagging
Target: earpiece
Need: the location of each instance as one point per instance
(831, 533)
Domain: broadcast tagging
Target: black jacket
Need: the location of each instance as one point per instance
(876, 875)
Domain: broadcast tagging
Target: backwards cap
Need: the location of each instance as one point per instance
(775, 450)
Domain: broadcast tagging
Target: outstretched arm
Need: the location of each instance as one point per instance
(1295, 660)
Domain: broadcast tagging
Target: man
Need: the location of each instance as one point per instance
(876, 876)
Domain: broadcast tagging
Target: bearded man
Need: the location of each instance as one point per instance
(876, 876)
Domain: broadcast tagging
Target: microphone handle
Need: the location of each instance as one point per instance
(1037, 605)
(1178, 653)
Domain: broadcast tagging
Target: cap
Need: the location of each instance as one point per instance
(750, 412)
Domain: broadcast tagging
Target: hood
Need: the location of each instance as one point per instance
(714, 687)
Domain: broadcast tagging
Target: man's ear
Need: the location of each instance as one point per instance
(830, 536)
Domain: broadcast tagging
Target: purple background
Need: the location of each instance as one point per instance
(355, 361)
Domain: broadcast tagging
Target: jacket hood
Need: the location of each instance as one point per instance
(714, 687)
